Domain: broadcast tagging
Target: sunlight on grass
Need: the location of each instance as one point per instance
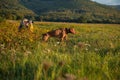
(93, 53)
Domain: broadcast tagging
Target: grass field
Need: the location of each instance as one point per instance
(93, 53)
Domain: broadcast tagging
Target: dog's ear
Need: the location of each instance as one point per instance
(44, 34)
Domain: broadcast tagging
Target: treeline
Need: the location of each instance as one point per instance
(79, 17)
(14, 16)
(64, 17)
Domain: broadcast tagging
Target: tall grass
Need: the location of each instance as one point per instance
(93, 53)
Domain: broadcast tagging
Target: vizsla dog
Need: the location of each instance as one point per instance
(60, 33)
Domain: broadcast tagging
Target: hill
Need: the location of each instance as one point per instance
(66, 11)
(73, 10)
(12, 9)
(116, 6)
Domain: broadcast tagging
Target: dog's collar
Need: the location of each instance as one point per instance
(67, 30)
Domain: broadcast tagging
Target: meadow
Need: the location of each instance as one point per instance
(93, 53)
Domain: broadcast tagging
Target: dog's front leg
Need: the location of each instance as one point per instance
(45, 37)
(62, 38)
(65, 37)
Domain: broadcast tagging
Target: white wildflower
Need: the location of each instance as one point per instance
(96, 49)
(86, 49)
(58, 42)
(87, 45)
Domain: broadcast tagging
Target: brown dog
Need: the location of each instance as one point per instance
(60, 33)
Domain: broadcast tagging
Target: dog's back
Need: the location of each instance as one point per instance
(60, 33)
(55, 33)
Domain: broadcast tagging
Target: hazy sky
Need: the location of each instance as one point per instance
(108, 2)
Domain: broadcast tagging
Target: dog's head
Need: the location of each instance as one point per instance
(70, 30)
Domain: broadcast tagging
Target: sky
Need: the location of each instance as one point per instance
(108, 2)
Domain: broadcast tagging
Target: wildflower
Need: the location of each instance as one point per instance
(31, 40)
(96, 49)
(28, 52)
(13, 50)
(87, 45)
(111, 45)
(2, 46)
(75, 46)
(86, 49)
(47, 50)
(55, 45)
(58, 42)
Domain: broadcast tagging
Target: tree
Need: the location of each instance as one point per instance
(82, 19)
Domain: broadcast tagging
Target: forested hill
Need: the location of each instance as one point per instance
(40, 6)
(12, 9)
(68, 10)
(116, 6)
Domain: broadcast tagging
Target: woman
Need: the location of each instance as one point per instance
(25, 23)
